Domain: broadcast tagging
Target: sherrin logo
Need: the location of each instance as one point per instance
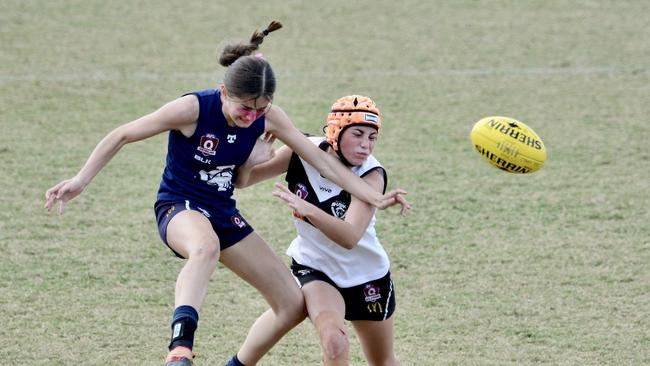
(513, 130)
(508, 144)
(499, 162)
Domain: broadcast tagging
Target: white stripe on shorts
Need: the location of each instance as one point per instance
(390, 293)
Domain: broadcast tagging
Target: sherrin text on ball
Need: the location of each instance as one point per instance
(508, 144)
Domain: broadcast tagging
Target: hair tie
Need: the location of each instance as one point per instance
(265, 32)
(259, 55)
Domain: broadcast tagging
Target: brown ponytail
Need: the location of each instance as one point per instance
(232, 52)
(248, 76)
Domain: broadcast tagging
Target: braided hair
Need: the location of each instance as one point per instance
(248, 76)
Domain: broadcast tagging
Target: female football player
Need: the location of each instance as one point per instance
(338, 260)
(211, 133)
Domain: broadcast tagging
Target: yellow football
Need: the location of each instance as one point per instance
(508, 144)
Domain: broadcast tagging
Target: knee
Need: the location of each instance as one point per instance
(334, 341)
(293, 311)
(205, 250)
(333, 337)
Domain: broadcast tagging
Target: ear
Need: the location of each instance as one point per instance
(223, 90)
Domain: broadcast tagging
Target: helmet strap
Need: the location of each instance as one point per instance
(343, 159)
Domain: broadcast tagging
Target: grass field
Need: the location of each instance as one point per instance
(490, 268)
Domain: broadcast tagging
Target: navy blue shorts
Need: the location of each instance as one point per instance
(230, 227)
(373, 300)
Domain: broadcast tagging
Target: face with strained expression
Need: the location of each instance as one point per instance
(357, 142)
(242, 112)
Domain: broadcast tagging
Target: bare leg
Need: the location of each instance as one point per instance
(377, 341)
(327, 311)
(253, 260)
(191, 235)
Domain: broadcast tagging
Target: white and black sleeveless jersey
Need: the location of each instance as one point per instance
(365, 262)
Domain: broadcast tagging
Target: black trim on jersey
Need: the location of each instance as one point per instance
(296, 174)
(324, 145)
(383, 171)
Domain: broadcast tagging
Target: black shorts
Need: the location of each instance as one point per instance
(373, 300)
(229, 226)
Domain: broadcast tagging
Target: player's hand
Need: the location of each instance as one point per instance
(299, 205)
(395, 197)
(262, 151)
(62, 193)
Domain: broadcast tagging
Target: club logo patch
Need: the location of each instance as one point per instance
(221, 177)
(371, 293)
(208, 145)
(238, 221)
(339, 209)
(301, 191)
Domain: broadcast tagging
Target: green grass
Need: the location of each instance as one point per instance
(491, 268)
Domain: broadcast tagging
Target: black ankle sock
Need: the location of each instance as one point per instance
(234, 361)
(184, 323)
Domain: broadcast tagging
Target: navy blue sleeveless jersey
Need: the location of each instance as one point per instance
(203, 168)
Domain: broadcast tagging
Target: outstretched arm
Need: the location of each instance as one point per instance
(279, 124)
(180, 114)
(347, 232)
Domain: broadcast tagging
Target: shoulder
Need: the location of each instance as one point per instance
(376, 177)
(205, 93)
(207, 99)
(277, 118)
(187, 106)
(188, 101)
(372, 171)
(182, 110)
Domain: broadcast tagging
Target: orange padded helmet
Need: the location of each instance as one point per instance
(348, 111)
